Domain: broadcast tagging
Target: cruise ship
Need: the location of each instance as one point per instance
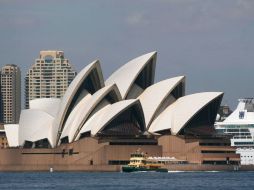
(240, 127)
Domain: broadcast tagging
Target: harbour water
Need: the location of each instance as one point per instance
(123, 181)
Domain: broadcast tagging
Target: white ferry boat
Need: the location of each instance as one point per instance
(240, 126)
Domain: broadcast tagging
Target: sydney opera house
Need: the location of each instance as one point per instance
(98, 123)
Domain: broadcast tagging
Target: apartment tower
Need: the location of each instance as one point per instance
(49, 77)
(10, 93)
(1, 102)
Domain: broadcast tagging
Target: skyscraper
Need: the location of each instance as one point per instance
(49, 77)
(10, 93)
(1, 102)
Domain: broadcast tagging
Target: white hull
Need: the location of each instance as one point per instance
(247, 155)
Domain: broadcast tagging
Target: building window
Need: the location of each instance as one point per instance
(241, 115)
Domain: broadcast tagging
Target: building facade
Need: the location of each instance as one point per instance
(1, 102)
(3, 139)
(10, 94)
(49, 77)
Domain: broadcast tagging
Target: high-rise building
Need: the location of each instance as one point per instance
(10, 93)
(1, 103)
(49, 77)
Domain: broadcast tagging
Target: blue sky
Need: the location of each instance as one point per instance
(209, 41)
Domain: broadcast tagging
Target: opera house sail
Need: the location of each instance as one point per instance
(98, 123)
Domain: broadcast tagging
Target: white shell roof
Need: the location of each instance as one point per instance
(72, 90)
(87, 127)
(35, 125)
(12, 134)
(82, 111)
(177, 115)
(125, 76)
(46, 117)
(48, 105)
(154, 95)
(100, 119)
(73, 120)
